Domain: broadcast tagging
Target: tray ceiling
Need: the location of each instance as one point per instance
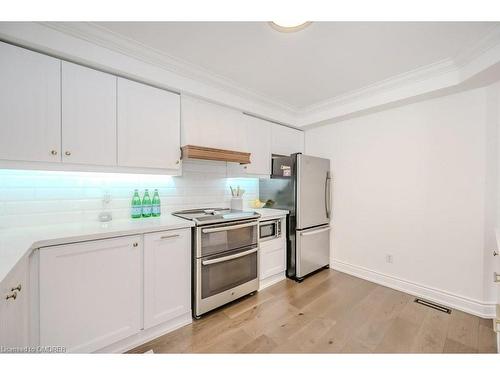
(299, 70)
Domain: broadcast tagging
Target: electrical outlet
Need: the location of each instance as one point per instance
(388, 258)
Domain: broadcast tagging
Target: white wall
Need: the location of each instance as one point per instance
(417, 182)
(42, 197)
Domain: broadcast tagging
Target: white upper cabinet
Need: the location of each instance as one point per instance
(211, 125)
(88, 116)
(30, 105)
(286, 141)
(148, 126)
(258, 135)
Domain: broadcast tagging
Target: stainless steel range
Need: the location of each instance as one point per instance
(225, 258)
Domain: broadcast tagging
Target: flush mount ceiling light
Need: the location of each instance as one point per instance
(289, 26)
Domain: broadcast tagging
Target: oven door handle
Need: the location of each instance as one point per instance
(224, 229)
(229, 257)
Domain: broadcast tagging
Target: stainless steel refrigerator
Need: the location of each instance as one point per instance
(302, 184)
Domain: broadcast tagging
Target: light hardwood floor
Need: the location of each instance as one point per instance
(330, 312)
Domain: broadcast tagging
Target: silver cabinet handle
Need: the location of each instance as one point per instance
(224, 229)
(495, 253)
(169, 236)
(135, 244)
(53, 152)
(67, 153)
(11, 296)
(229, 257)
(314, 231)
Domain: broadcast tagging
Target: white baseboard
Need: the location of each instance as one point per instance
(147, 335)
(471, 306)
(268, 281)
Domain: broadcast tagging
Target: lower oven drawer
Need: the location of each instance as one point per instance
(225, 277)
(227, 271)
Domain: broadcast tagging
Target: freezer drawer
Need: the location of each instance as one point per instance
(313, 250)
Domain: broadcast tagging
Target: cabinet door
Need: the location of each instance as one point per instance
(272, 259)
(14, 309)
(167, 271)
(212, 125)
(286, 141)
(148, 126)
(30, 105)
(258, 134)
(88, 116)
(90, 293)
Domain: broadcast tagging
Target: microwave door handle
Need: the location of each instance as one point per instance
(229, 257)
(223, 229)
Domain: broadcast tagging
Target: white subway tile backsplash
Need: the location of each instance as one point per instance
(43, 197)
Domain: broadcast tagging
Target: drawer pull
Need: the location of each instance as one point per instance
(11, 296)
(135, 244)
(169, 236)
(18, 288)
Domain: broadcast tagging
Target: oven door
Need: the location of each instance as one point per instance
(218, 238)
(225, 277)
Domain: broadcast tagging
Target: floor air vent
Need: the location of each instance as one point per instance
(433, 305)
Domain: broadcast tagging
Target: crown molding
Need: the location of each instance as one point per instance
(98, 47)
(392, 83)
(109, 39)
(454, 72)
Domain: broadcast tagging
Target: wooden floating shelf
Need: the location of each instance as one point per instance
(208, 153)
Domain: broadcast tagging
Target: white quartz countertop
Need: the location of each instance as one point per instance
(270, 213)
(16, 243)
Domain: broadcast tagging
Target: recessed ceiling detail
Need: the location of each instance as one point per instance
(323, 61)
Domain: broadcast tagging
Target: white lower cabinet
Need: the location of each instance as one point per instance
(167, 276)
(90, 293)
(110, 294)
(14, 309)
(272, 259)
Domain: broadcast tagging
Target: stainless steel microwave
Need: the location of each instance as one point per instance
(269, 229)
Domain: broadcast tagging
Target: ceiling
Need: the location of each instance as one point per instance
(302, 69)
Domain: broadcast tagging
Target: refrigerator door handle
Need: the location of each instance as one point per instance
(327, 195)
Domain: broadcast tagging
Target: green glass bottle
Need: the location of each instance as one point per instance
(136, 205)
(156, 209)
(146, 204)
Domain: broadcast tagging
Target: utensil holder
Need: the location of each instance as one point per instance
(237, 203)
